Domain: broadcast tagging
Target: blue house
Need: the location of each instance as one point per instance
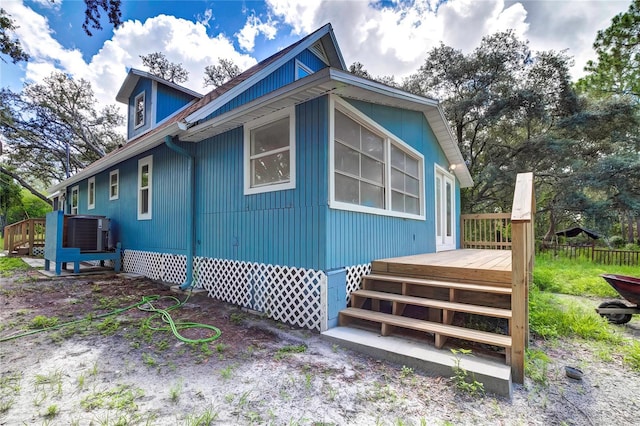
(276, 190)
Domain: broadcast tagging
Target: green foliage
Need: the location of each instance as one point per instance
(631, 354)
(8, 265)
(28, 207)
(122, 397)
(464, 381)
(552, 317)
(42, 321)
(616, 70)
(290, 349)
(579, 277)
(537, 366)
(160, 66)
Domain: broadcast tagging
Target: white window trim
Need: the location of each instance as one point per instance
(148, 161)
(291, 184)
(135, 112)
(300, 65)
(116, 173)
(75, 189)
(91, 190)
(359, 117)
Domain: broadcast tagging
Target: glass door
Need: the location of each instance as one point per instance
(445, 211)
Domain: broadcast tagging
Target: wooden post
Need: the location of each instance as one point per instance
(31, 230)
(522, 249)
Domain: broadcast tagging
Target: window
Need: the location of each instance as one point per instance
(74, 199)
(114, 184)
(91, 193)
(269, 152)
(302, 70)
(145, 186)
(372, 170)
(138, 111)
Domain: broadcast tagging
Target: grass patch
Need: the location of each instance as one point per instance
(290, 349)
(9, 265)
(108, 326)
(579, 277)
(122, 397)
(41, 321)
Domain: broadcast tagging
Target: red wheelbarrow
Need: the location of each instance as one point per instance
(620, 311)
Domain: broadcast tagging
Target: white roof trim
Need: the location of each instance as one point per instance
(132, 79)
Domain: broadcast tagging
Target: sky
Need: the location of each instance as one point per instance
(389, 37)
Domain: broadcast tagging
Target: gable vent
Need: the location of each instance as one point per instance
(318, 50)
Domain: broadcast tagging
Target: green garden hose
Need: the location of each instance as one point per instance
(144, 305)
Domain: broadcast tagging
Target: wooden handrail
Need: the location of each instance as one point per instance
(486, 230)
(522, 258)
(26, 233)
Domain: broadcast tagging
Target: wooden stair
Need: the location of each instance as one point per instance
(442, 300)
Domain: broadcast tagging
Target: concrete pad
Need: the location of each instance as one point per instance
(34, 262)
(495, 377)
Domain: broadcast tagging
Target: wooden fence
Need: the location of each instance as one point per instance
(26, 235)
(597, 255)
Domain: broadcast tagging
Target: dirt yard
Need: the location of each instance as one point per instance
(117, 371)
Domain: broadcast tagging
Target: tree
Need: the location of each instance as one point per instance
(53, 129)
(9, 197)
(11, 46)
(358, 69)
(92, 14)
(160, 66)
(617, 69)
(217, 75)
(8, 45)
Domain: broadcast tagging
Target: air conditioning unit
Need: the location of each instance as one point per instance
(88, 233)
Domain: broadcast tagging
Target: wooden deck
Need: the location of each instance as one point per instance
(489, 267)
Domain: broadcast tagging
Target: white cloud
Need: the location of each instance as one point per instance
(55, 5)
(180, 40)
(206, 17)
(395, 40)
(254, 26)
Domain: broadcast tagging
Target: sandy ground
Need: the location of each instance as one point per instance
(116, 371)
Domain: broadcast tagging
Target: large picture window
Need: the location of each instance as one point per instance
(270, 153)
(373, 171)
(145, 187)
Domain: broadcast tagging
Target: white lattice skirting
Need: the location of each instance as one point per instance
(354, 276)
(290, 295)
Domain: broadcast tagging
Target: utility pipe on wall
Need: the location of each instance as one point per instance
(191, 229)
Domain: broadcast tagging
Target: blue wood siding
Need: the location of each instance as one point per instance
(143, 85)
(165, 232)
(355, 238)
(169, 101)
(282, 227)
(277, 79)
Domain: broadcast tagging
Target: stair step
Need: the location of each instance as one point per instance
(427, 326)
(435, 283)
(433, 303)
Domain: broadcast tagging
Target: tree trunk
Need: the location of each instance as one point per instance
(551, 231)
(25, 184)
(630, 229)
(638, 229)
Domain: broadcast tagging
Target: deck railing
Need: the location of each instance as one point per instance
(27, 234)
(522, 259)
(486, 231)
